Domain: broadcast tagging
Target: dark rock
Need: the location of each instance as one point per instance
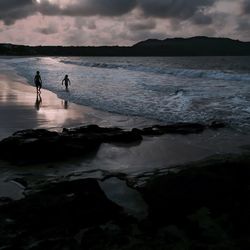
(110, 237)
(204, 206)
(21, 182)
(217, 125)
(207, 200)
(178, 128)
(124, 137)
(183, 128)
(57, 212)
(42, 145)
(91, 129)
(104, 134)
(31, 146)
(63, 243)
(4, 200)
(148, 131)
(38, 133)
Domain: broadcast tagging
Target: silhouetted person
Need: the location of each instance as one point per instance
(38, 82)
(66, 81)
(38, 101)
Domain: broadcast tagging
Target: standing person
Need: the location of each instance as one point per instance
(66, 81)
(38, 82)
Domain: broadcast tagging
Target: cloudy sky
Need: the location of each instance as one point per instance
(119, 22)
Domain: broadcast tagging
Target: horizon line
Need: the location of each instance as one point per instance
(127, 46)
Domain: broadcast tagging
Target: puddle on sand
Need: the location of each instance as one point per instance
(124, 196)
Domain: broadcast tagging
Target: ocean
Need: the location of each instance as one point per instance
(164, 89)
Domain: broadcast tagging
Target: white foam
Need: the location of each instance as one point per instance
(192, 73)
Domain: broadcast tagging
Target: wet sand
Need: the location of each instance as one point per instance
(21, 108)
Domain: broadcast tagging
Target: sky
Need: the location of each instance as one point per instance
(120, 22)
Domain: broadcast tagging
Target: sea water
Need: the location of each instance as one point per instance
(167, 89)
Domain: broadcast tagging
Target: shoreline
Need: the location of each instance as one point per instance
(21, 108)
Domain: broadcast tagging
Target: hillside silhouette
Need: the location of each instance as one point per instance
(194, 46)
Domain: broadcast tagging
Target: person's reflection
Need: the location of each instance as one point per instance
(65, 104)
(38, 101)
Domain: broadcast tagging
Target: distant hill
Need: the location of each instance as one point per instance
(194, 46)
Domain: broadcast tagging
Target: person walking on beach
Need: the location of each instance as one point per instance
(66, 81)
(38, 82)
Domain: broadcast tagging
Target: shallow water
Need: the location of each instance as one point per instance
(167, 89)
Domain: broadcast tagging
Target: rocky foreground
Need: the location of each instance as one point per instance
(40, 145)
(205, 205)
(200, 206)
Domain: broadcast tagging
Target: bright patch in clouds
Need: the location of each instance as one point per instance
(61, 3)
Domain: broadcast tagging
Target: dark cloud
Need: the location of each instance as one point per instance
(91, 25)
(244, 28)
(142, 25)
(6, 5)
(246, 7)
(75, 38)
(110, 7)
(12, 10)
(49, 9)
(180, 9)
(89, 8)
(85, 23)
(201, 19)
(50, 29)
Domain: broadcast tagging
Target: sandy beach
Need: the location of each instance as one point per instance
(21, 108)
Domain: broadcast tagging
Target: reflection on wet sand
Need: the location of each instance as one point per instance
(65, 104)
(21, 108)
(19, 104)
(38, 101)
